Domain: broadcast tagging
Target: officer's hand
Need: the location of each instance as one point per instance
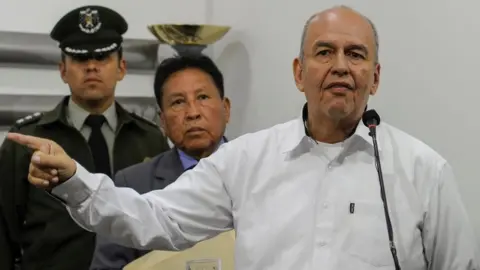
(50, 165)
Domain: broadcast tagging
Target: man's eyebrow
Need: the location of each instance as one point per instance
(326, 44)
(359, 47)
(350, 47)
(174, 95)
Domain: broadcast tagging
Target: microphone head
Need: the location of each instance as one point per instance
(371, 117)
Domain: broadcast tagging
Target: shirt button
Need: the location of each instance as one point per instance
(65, 196)
(325, 205)
(322, 243)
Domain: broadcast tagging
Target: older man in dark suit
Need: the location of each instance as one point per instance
(194, 114)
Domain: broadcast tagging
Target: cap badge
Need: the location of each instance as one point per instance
(89, 21)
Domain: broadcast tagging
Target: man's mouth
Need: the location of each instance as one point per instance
(87, 80)
(339, 85)
(339, 88)
(195, 129)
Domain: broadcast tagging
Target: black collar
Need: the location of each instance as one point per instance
(305, 119)
(305, 122)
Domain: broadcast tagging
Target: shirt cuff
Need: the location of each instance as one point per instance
(78, 188)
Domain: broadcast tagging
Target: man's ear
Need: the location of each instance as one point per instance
(122, 69)
(62, 68)
(376, 79)
(162, 119)
(226, 107)
(298, 73)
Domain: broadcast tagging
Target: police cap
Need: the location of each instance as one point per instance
(89, 30)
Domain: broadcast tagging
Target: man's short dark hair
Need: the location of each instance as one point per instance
(174, 64)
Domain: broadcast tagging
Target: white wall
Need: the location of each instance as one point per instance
(428, 51)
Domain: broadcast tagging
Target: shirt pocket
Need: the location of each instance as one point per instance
(367, 235)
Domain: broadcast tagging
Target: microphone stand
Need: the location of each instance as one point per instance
(393, 249)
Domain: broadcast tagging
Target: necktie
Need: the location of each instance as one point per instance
(98, 145)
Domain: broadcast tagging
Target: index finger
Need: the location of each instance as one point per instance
(32, 142)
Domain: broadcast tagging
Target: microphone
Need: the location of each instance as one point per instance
(371, 119)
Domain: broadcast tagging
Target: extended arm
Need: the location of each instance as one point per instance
(194, 208)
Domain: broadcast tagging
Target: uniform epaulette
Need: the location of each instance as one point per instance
(144, 120)
(29, 119)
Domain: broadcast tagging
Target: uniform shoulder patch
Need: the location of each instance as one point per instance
(144, 120)
(29, 119)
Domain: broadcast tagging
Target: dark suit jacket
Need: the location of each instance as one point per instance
(157, 173)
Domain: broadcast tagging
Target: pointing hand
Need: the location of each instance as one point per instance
(50, 165)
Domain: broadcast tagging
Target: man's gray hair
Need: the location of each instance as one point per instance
(307, 24)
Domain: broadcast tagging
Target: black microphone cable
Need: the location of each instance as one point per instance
(371, 119)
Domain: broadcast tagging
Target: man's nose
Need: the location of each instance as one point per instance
(91, 65)
(193, 111)
(340, 65)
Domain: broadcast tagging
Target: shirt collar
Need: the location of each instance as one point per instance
(76, 116)
(300, 133)
(189, 161)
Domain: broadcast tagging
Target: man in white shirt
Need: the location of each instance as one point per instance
(301, 195)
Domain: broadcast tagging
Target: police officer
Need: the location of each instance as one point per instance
(35, 230)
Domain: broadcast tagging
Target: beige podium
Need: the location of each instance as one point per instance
(220, 247)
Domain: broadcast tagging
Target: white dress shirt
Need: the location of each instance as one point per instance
(295, 204)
